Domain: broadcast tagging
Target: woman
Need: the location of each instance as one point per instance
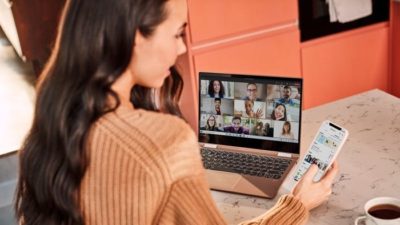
(279, 112)
(248, 105)
(216, 89)
(107, 145)
(211, 124)
(286, 131)
(258, 129)
(268, 131)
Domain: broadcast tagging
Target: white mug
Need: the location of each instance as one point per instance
(372, 220)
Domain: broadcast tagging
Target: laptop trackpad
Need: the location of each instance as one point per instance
(222, 180)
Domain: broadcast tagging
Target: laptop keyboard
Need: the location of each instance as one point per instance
(244, 163)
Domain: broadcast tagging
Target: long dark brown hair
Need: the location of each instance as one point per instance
(93, 48)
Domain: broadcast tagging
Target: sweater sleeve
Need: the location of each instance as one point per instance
(287, 211)
(190, 202)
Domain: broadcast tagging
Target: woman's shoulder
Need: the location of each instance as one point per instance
(159, 128)
(166, 138)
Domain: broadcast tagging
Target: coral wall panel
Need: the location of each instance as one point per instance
(345, 64)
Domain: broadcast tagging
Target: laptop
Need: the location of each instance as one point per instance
(249, 131)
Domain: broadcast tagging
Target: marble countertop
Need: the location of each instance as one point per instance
(369, 161)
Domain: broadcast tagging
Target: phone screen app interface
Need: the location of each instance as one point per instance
(321, 151)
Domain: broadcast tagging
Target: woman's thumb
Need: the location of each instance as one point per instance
(311, 172)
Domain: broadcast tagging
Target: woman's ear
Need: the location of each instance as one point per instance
(139, 38)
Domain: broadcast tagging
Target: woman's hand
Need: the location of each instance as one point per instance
(313, 194)
(259, 113)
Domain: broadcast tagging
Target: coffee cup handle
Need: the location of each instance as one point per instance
(358, 219)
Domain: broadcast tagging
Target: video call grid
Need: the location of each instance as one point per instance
(259, 110)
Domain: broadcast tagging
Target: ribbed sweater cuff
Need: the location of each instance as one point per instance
(288, 210)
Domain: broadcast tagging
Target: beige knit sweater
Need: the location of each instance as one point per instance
(145, 168)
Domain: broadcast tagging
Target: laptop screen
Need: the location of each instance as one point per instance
(260, 112)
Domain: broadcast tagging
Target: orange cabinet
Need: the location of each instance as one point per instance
(272, 54)
(345, 64)
(210, 19)
(395, 48)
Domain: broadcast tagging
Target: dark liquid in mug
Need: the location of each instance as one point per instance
(385, 211)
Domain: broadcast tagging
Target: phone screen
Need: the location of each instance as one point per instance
(322, 150)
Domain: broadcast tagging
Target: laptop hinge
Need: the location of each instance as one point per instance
(282, 154)
(210, 146)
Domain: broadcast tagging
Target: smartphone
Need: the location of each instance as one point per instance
(323, 150)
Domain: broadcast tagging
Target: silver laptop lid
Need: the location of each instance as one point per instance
(247, 111)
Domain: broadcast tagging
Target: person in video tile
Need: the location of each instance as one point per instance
(216, 89)
(298, 95)
(251, 92)
(287, 91)
(211, 124)
(279, 112)
(268, 130)
(217, 106)
(248, 105)
(236, 126)
(258, 129)
(286, 131)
